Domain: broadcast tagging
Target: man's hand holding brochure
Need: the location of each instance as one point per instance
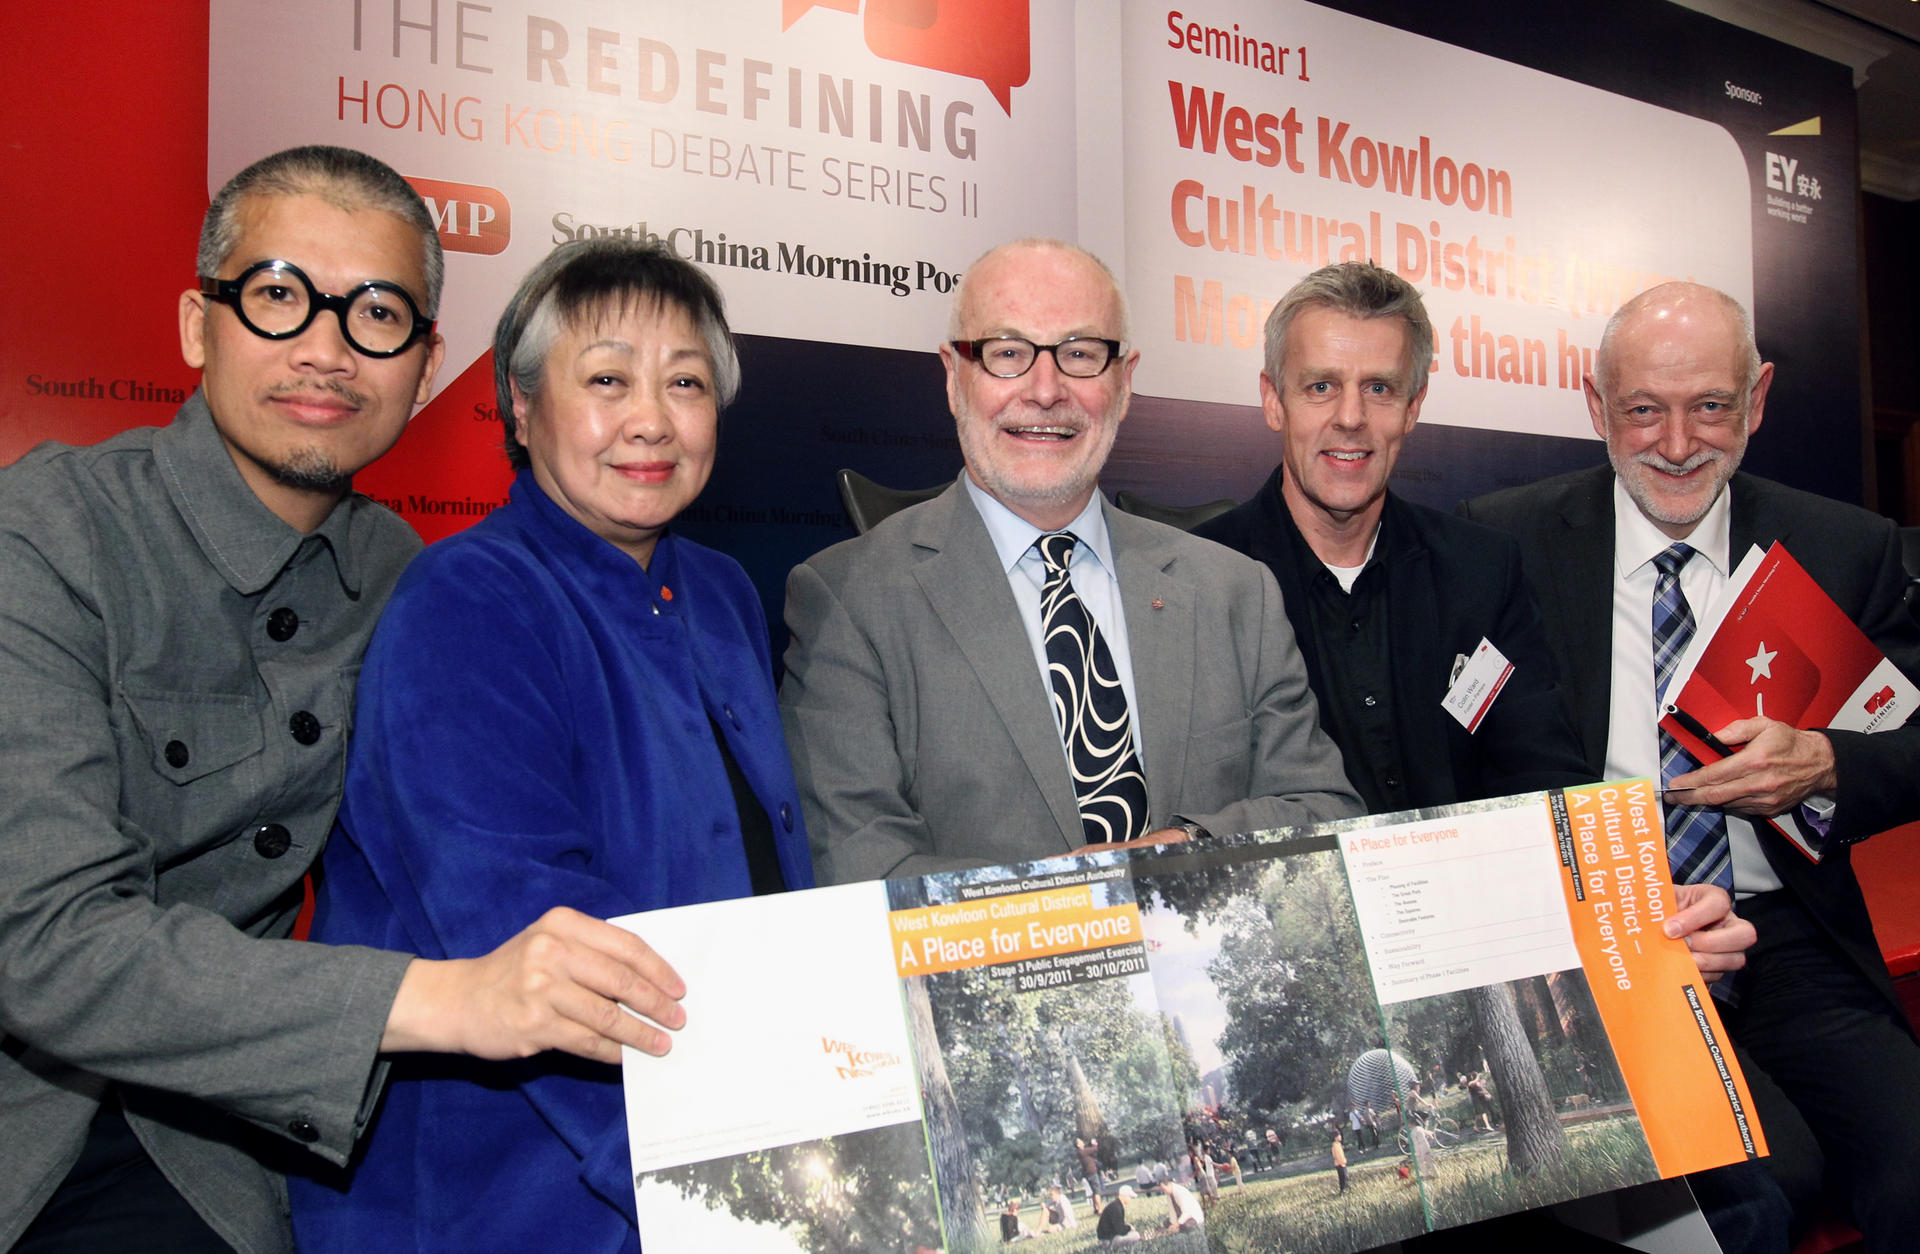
(1776, 654)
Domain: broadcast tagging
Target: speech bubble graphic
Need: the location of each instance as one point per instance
(792, 11)
(990, 40)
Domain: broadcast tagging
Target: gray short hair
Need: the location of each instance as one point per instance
(1749, 350)
(341, 177)
(1358, 289)
(585, 279)
(956, 317)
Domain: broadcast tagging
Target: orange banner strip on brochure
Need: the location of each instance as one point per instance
(1693, 1102)
(931, 939)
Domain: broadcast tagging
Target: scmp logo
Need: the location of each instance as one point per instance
(469, 218)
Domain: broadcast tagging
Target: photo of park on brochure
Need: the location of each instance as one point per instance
(1317, 1041)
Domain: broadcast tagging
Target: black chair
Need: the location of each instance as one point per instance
(869, 503)
(1185, 517)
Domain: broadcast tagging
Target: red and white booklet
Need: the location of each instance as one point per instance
(1776, 646)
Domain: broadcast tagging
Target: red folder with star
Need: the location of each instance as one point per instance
(1776, 646)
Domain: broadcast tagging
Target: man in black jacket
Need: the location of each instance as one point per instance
(1677, 388)
(1388, 598)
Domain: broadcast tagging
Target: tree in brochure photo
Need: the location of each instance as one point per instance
(1054, 1079)
(868, 1190)
(1319, 1041)
(1448, 1108)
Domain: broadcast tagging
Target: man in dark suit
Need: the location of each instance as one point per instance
(1677, 389)
(1387, 598)
(933, 719)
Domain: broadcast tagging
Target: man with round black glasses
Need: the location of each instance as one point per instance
(182, 616)
(276, 300)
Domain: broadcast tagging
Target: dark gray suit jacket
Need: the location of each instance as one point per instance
(1565, 529)
(159, 809)
(922, 732)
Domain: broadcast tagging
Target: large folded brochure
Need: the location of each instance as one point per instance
(1776, 646)
(1478, 1000)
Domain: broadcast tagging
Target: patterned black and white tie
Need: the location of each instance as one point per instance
(1696, 835)
(1089, 705)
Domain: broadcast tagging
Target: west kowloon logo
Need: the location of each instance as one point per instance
(985, 39)
(850, 1062)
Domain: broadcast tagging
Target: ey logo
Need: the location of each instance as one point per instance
(468, 217)
(1780, 172)
(985, 39)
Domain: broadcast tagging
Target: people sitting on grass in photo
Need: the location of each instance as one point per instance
(1114, 1228)
(1186, 1213)
(1057, 1211)
(1011, 1227)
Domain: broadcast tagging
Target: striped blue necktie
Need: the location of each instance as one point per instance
(1089, 705)
(1696, 835)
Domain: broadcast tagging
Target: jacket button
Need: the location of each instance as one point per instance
(281, 624)
(302, 1130)
(177, 754)
(786, 816)
(270, 840)
(304, 726)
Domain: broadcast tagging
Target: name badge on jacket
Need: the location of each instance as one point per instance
(1477, 680)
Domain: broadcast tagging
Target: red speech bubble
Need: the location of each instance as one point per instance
(990, 40)
(791, 11)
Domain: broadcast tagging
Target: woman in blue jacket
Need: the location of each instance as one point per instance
(566, 705)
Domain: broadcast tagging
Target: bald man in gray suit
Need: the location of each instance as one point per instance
(934, 724)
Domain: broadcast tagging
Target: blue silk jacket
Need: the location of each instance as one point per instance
(533, 731)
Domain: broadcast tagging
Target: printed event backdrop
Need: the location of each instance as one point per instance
(836, 164)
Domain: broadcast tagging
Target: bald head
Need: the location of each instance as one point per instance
(1680, 305)
(1018, 256)
(1676, 389)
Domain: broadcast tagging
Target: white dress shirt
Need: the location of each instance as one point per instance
(1095, 578)
(1633, 734)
